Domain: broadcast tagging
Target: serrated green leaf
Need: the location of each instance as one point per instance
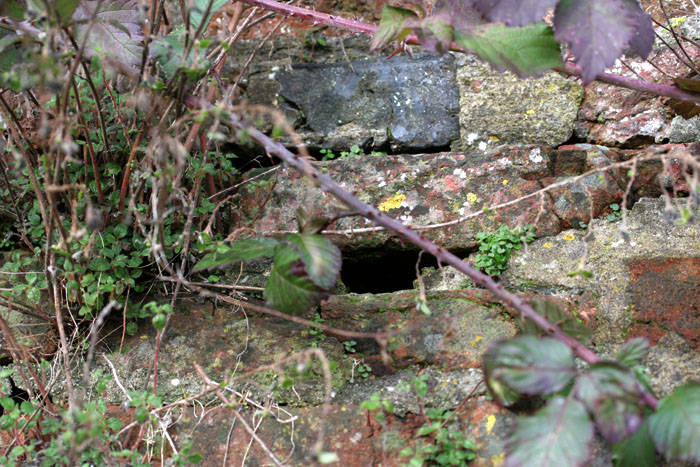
(199, 7)
(675, 426)
(289, 288)
(105, 38)
(321, 257)
(526, 51)
(633, 351)
(528, 365)
(558, 434)
(390, 26)
(65, 9)
(555, 314)
(635, 451)
(612, 394)
(242, 250)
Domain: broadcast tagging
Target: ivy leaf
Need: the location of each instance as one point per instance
(632, 351)
(675, 426)
(320, 256)
(514, 12)
(391, 27)
(555, 314)
(106, 38)
(598, 31)
(558, 434)
(611, 393)
(199, 7)
(528, 365)
(289, 288)
(242, 250)
(525, 51)
(635, 451)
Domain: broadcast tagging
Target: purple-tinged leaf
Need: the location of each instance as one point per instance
(598, 32)
(242, 250)
(643, 39)
(555, 314)
(105, 38)
(675, 426)
(558, 434)
(633, 351)
(514, 12)
(635, 451)
(321, 258)
(289, 288)
(391, 27)
(527, 365)
(612, 394)
(460, 13)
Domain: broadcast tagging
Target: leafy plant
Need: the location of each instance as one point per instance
(305, 266)
(354, 151)
(615, 214)
(511, 35)
(495, 248)
(607, 397)
(439, 441)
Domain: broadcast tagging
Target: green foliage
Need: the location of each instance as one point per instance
(495, 248)
(606, 397)
(558, 434)
(555, 314)
(305, 266)
(355, 151)
(439, 441)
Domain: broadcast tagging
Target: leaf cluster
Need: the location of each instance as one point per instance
(607, 397)
(510, 35)
(496, 247)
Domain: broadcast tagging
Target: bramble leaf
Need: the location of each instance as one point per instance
(199, 7)
(321, 257)
(554, 314)
(632, 351)
(635, 451)
(514, 12)
(527, 365)
(391, 26)
(525, 51)
(611, 393)
(598, 31)
(289, 288)
(558, 434)
(106, 38)
(675, 426)
(242, 250)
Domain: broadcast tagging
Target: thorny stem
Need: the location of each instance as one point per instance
(327, 184)
(569, 69)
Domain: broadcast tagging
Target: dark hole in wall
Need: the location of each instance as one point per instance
(378, 271)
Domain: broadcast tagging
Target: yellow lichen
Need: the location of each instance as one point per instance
(494, 139)
(498, 460)
(392, 202)
(548, 245)
(490, 422)
(504, 182)
(530, 112)
(472, 198)
(568, 237)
